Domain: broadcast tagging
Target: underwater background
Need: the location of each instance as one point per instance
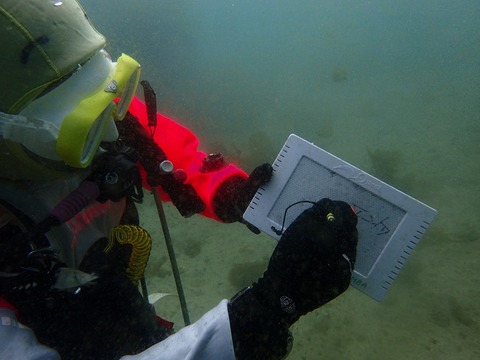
(392, 87)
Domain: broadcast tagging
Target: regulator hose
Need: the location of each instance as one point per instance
(141, 246)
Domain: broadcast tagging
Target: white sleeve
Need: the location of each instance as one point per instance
(208, 338)
(19, 342)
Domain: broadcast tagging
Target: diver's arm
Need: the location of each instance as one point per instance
(17, 341)
(224, 189)
(206, 339)
(311, 265)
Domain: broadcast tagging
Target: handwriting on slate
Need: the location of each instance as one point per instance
(377, 225)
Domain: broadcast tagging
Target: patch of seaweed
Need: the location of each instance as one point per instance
(385, 163)
(260, 149)
(242, 275)
(339, 75)
(325, 131)
(390, 166)
(192, 248)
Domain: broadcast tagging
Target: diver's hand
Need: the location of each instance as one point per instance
(313, 261)
(234, 195)
(311, 265)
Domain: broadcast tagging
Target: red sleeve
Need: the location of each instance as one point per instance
(181, 147)
(4, 304)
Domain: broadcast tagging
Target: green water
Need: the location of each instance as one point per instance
(392, 87)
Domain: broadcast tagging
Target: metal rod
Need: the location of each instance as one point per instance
(143, 285)
(171, 254)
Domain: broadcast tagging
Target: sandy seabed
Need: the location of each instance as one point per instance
(390, 87)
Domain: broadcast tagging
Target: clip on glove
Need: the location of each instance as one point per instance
(311, 265)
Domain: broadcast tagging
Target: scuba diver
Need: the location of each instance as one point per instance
(77, 148)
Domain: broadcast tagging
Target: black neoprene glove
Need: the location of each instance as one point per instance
(311, 265)
(234, 195)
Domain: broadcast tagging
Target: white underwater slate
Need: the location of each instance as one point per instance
(390, 222)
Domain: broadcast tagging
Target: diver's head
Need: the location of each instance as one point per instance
(57, 85)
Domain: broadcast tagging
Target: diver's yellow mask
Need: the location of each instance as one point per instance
(69, 122)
